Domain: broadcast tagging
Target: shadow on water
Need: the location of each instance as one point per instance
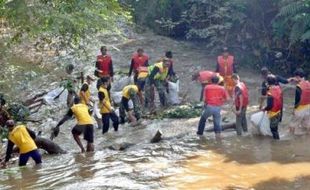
(252, 150)
(279, 183)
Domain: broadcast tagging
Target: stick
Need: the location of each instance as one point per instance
(59, 94)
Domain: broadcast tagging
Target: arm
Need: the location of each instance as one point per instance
(297, 96)
(269, 103)
(111, 69)
(31, 133)
(238, 95)
(65, 118)
(9, 150)
(234, 68)
(217, 70)
(83, 90)
(146, 63)
(282, 79)
(97, 67)
(171, 71)
(131, 67)
(263, 94)
(153, 73)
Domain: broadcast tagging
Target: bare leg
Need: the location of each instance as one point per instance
(132, 118)
(78, 141)
(90, 147)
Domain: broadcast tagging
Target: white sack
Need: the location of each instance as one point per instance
(173, 95)
(50, 96)
(261, 121)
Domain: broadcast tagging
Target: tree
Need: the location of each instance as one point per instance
(70, 19)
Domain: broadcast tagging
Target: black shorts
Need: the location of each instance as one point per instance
(125, 103)
(87, 130)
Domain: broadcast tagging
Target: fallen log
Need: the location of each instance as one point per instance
(224, 127)
(49, 146)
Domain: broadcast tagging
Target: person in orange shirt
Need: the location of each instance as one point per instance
(226, 67)
(301, 112)
(241, 101)
(214, 97)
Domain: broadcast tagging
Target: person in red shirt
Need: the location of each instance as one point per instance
(139, 59)
(301, 112)
(104, 66)
(241, 101)
(214, 97)
(204, 78)
(274, 105)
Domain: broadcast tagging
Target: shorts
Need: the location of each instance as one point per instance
(34, 154)
(87, 130)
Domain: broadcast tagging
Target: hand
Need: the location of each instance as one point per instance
(55, 131)
(238, 112)
(3, 164)
(112, 109)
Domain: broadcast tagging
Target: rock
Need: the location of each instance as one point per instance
(121, 146)
(157, 137)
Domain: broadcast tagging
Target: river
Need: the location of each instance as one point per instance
(181, 160)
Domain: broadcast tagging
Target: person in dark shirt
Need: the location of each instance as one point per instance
(169, 56)
(279, 79)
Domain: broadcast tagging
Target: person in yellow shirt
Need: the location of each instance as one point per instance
(19, 135)
(84, 124)
(130, 92)
(106, 109)
(85, 94)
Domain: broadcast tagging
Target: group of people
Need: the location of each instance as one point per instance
(217, 88)
(224, 84)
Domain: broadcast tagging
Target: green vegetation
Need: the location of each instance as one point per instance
(72, 20)
(260, 32)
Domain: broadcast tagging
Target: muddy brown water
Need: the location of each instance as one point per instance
(181, 160)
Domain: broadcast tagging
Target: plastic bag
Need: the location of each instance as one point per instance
(50, 96)
(261, 121)
(173, 95)
(116, 97)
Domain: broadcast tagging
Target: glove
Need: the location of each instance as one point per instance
(55, 132)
